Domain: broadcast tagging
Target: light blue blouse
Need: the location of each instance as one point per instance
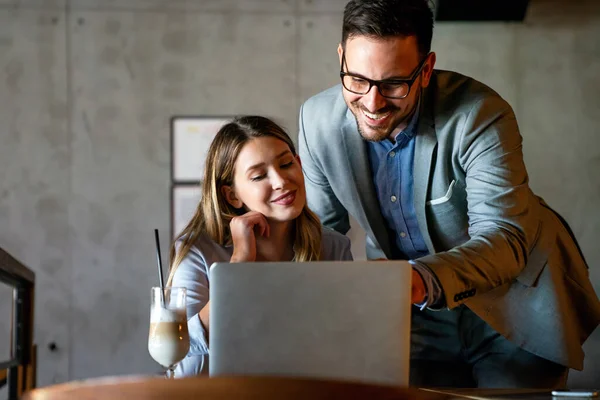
(192, 274)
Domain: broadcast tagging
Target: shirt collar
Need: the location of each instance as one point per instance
(411, 129)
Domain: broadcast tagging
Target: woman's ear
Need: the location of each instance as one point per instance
(230, 196)
(298, 159)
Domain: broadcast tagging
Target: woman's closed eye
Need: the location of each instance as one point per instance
(258, 177)
(262, 175)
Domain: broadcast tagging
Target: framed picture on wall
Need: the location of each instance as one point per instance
(190, 139)
(184, 201)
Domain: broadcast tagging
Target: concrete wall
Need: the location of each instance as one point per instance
(86, 91)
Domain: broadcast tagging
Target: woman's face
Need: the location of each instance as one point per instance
(268, 179)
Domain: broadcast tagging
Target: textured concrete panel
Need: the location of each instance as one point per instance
(45, 4)
(34, 172)
(131, 73)
(484, 51)
(261, 6)
(323, 6)
(318, 61)
(559, 122)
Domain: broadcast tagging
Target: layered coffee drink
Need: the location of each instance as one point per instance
(168, 340)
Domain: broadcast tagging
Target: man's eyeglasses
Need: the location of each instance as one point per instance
(392, 88)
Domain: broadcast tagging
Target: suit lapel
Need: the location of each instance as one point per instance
(367, 211)
(426, 141)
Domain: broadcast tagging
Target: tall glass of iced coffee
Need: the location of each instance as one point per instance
(168, 340)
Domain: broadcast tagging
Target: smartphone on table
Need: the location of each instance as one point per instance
(582, 393)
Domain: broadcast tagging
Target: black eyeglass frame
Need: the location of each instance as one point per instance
(372, 82)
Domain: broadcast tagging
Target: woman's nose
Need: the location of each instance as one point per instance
(278, 181)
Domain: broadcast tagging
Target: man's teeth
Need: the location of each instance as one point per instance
(375, 116)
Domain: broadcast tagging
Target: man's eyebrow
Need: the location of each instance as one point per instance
(391, 78)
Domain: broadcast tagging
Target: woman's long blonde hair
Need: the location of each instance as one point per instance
(214, 213)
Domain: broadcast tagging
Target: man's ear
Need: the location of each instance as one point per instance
(230, 196)
(428, 69)
(340, 51)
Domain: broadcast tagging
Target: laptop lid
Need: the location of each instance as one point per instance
(333, 320)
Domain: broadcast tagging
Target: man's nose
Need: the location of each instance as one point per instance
(373, 100)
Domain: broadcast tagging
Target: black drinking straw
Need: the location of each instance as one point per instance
(160, 270)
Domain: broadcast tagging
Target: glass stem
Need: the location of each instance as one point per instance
(170, 373)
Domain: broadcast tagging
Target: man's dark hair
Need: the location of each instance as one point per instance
(388, 18)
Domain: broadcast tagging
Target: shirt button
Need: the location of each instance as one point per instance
(393, 199)
(392, 154)
(402, 234)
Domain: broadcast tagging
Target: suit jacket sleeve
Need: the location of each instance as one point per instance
(503, 220)
(320, 197)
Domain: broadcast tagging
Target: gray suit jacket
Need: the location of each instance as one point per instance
(494, 245)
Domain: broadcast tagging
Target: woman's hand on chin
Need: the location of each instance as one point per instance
(244, 230)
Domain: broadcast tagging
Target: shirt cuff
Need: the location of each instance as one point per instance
(435, 293)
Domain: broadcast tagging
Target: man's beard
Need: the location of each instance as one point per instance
(381, 135)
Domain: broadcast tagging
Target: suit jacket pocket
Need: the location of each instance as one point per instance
(445, 197)
(447, 218)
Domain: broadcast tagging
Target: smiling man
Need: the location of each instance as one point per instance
(381, 114)
(430, 164)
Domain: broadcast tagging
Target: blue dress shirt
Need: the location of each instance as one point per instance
(392, 169)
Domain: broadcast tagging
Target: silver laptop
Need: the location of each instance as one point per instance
(332, 320)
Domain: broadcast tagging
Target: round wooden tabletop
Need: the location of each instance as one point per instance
(264, 388)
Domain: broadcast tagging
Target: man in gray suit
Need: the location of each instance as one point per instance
(430, 164)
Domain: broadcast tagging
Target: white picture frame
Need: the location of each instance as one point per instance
(184, 202)
(190, 140)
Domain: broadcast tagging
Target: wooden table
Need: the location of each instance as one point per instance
(498, 394)
(263, 388)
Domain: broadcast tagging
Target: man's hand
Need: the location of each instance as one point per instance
(418, 289)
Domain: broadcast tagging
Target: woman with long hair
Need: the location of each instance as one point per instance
(253, 208)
